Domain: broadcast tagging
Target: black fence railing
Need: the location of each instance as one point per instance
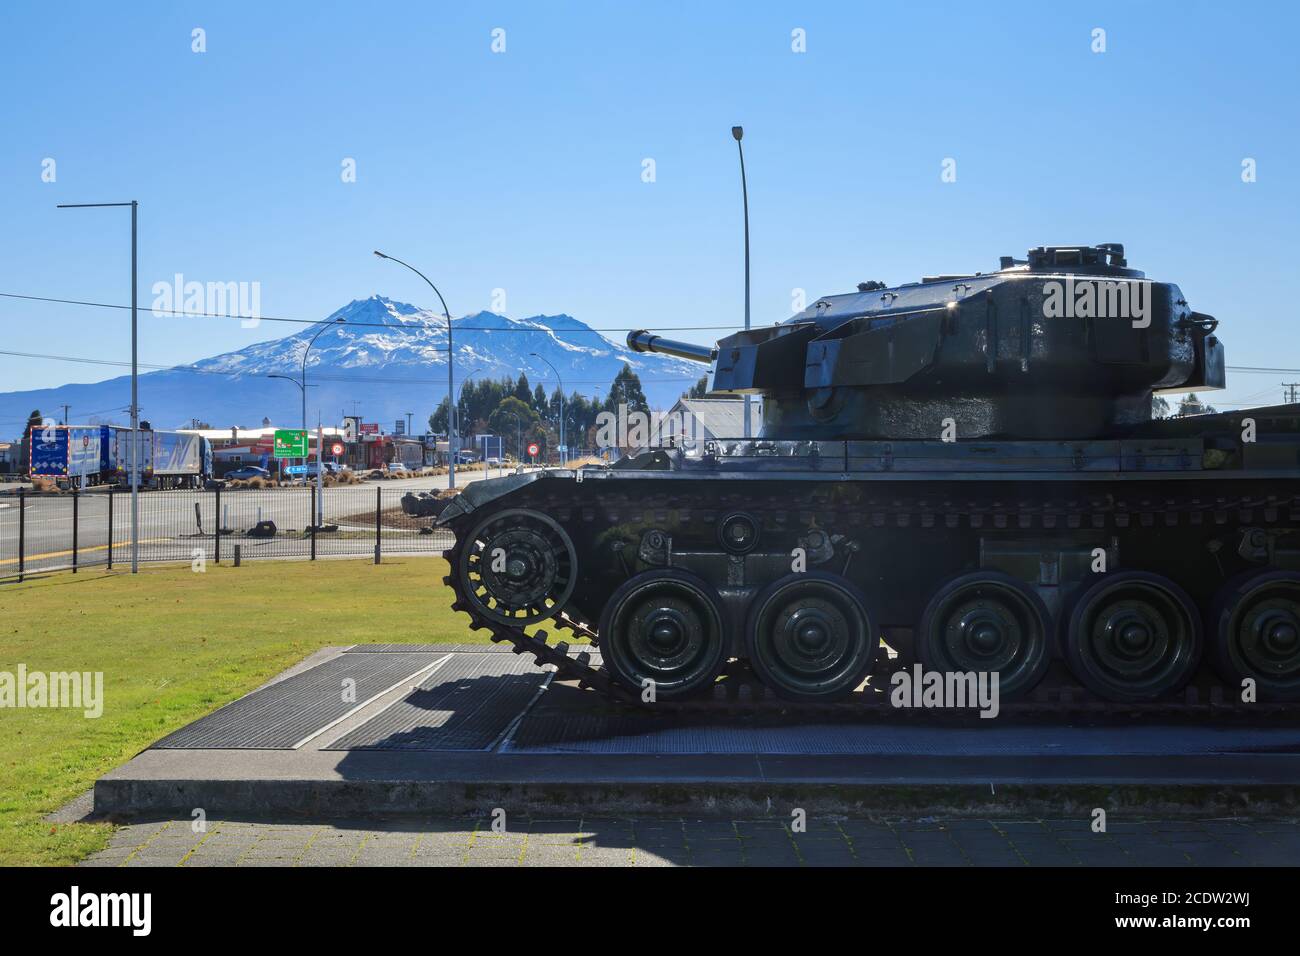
(77, 530)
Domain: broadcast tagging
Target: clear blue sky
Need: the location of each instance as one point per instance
(522, 170)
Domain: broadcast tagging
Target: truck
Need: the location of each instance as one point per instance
(75, 456)
(167, 459)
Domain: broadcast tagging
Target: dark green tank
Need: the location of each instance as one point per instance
(960, 474)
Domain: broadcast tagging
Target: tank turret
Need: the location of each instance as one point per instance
(1067, 343)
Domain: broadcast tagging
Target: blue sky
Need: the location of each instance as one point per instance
(522, 170)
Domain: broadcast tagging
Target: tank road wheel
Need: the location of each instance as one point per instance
(666, 627)
(810, 638)
(987, 621)
(1257, 624)
(1133, 636)
(518, 567)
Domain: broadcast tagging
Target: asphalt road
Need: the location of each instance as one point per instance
(172, 530)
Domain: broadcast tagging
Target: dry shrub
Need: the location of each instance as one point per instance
(46, 486)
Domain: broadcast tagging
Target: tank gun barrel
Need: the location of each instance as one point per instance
(643, 341)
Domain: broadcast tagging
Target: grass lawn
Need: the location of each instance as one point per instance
(174, 645)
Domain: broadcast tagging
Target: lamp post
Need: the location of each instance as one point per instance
(339, 321)
(451, 355)
(563, 450)
(135, 396)
(738, 132)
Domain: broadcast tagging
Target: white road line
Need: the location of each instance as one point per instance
(334, 723)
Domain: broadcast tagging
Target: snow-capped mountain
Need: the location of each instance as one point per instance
(387, 357)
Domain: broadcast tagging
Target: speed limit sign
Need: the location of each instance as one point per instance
(533, 449)
(336, 449)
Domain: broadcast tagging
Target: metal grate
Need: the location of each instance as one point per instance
(466, 704)
(281, 716)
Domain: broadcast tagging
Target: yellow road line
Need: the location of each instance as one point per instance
(93, 547)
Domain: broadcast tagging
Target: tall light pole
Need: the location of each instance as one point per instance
(451, 356)
(738, 132)
(323, 329)
(135, 394)
(561, 381)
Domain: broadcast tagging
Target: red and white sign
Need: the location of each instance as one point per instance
(336, 449)
(368, 428)
(533, 449)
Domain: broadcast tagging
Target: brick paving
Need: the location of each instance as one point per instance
(665, 841)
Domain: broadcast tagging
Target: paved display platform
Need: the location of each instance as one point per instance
(400, 728)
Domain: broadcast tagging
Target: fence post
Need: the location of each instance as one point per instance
(236, 555)
(22, 532)
(76, 498)
(216, 532)
(313, 522)
(378, 523)
(110, 528)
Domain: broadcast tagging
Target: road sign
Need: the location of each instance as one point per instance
(290, 443)
(533, 449)
(336, 449)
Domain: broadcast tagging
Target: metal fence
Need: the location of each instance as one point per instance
(47, 532)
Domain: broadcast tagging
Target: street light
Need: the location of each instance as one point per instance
(451, 393)
(561, 381)
(135, 402)
(339, 321)
(738, 133)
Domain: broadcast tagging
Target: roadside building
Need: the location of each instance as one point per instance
(693, 421)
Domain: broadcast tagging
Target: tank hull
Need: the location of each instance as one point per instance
(1188, 504)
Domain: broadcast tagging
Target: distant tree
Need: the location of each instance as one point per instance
(539, 399)
(516, 422)
(701, 390)
(34, 420)
(1192, 405)
(627, 388)
(524, 391)
(1159, 406)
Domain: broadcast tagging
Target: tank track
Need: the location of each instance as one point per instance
(1057, 696)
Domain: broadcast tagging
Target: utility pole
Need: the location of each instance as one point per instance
(65, 412)
(1291, 395)
(408, 423)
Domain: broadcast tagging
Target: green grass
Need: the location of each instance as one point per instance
(174, 645)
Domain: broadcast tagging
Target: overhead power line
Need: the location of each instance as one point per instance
(392, 380)
(371, 325)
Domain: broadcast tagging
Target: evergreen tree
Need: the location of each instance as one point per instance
(627, 389)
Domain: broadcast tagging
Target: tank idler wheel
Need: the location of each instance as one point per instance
(664, 627)
(1133, 636)
(1256, 620)
(987, 622)
(810, 638)
(518, 567)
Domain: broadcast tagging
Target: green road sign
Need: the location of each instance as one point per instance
(290, 443)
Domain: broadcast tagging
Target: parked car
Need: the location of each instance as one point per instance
(247, 472)
(397, 469)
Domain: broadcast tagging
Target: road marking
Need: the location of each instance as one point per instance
(93, 547)
(418, 676)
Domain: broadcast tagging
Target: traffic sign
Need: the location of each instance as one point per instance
(290, 443)
(533, 449)
(336, 449)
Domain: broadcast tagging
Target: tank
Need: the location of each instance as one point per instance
(956, 479)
